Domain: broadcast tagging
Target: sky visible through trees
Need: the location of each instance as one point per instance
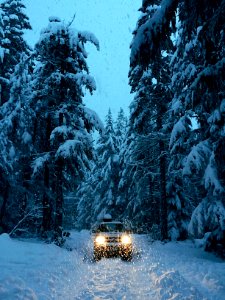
(112, 21)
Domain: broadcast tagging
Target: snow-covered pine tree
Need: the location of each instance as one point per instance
(14, 23)
(86, 196)
(120, 127)
(107, 172)
(62, 129)
(127, 194)
(16, 146)
(179, 197)
(198, 85)
(199, 91)
(149, 78)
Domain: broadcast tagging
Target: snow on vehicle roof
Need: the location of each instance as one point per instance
(113, 222)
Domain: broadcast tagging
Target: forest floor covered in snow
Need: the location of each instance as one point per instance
(30, 269)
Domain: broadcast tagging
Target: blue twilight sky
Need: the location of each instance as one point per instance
(112, 22)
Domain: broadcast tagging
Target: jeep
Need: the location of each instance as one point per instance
(111, 239)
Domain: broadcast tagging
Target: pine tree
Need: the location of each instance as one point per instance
(62, 130)
(120, 127)
(14, 23)
(16, 147)
(87, 199)
(199, 92)
(106, 191)
(149, 78)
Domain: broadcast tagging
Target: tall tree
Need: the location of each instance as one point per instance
(14, 23)
(106, 189)
(149, 78)
(198, 87)
(63, 124)
(200, 93)
(16, 147)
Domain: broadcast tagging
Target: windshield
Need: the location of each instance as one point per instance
(110, 227)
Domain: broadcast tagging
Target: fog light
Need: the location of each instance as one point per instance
(126, 239)
(100, 240)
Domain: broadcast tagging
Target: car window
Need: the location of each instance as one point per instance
(110, 227)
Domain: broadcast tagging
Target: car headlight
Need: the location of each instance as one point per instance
(126, 239)
(100, 240)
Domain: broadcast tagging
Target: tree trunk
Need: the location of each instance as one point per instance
(59, 196)
(3, 207)
(163, 204)
(46, 201)
(47, 211)
(162, 168)
(59, 199)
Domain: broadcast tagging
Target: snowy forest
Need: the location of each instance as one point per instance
(161, 169)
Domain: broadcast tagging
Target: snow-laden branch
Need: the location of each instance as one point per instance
(86, 36)
(153, 28)
(197, 158)
(210, 71)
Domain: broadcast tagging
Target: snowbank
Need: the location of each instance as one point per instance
(32, 270)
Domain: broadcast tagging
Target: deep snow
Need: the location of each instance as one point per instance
(34, 270)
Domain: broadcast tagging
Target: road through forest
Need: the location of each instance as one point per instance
(33, 270)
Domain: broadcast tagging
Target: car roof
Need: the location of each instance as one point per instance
(111, 222)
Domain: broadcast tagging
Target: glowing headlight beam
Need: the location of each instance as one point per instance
(126, 239)
(100, 240)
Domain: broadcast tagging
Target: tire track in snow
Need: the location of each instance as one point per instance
(143, 278)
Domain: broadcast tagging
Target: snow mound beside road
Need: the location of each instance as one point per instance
(171, 285)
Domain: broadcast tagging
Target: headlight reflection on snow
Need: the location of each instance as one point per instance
(100, 240)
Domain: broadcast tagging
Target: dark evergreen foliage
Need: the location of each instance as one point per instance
(62, 141)
(13, 24)
(195, 92)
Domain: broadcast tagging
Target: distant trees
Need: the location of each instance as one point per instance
(99, 193)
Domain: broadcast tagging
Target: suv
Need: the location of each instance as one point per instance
(111, 239)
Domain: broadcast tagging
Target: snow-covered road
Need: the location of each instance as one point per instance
(33, 270)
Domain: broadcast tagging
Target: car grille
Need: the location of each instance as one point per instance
(113, 239)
